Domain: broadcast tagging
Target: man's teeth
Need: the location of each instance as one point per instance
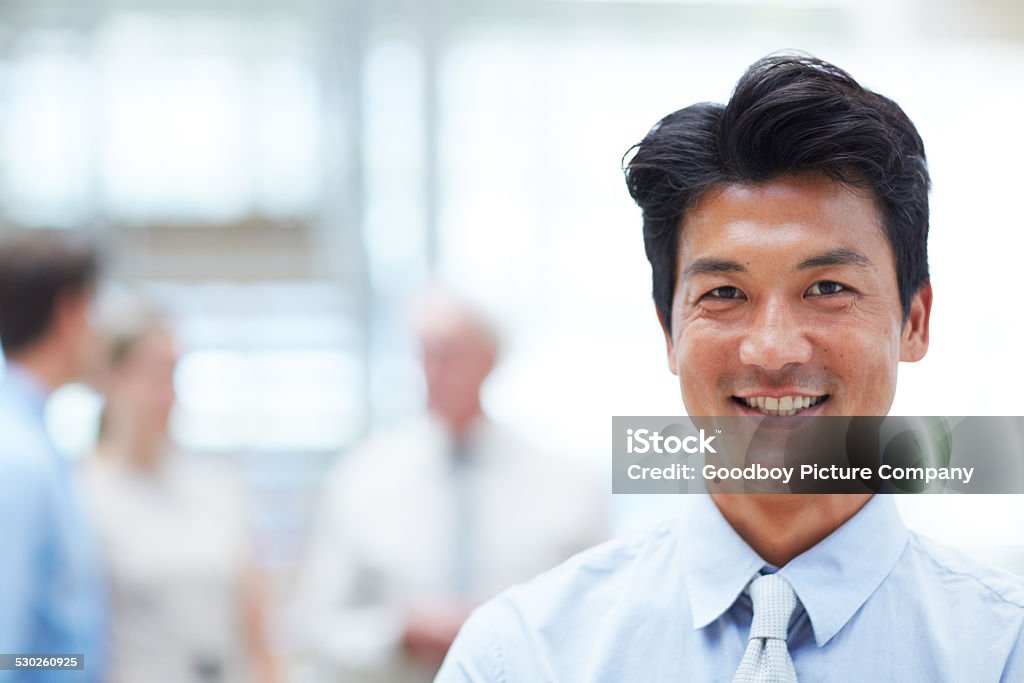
(785, 406)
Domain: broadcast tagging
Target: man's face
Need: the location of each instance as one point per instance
(456, 361)
(786, 296)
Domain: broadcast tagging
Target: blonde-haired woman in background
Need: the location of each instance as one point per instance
(184, 601)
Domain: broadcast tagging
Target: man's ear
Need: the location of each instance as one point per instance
(914, 340)
(669, 346)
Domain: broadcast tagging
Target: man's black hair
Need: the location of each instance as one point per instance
(788, 114)
(37, 268)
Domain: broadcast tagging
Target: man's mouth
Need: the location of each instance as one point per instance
(781, 406)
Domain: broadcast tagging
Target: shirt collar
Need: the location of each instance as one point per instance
(473, 441)
(716, 563)
(832, 579)
(835, 577)
(32, 390)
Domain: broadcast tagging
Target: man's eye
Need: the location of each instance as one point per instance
(723, 293)
(825, 288)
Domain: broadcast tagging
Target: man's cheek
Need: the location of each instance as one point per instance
(698, 372)
(871, 382)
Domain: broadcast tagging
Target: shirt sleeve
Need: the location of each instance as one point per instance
(334, 621)
(476, 656)
(495, 645)
(25, 528)
(1014, 669)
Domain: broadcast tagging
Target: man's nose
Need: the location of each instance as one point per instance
(775, 338)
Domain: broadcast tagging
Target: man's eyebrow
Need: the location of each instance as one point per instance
(712, 265)
(835, 257)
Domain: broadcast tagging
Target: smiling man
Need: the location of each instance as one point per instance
(787, 235)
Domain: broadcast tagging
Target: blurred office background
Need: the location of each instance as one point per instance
(284, 174)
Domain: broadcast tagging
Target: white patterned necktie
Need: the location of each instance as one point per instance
(767, 658)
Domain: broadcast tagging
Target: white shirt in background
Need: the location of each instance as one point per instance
(405, 522)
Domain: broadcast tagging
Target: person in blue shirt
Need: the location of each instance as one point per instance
(787, 235)
(51, 591)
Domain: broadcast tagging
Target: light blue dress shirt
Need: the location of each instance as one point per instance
(52, 599)
(878, 603)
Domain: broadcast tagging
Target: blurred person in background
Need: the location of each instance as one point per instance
(185, 600)
(422, 523)
(52, 597)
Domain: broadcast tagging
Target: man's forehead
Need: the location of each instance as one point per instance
(800, 216)
(808, 197)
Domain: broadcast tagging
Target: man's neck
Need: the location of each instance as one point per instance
(781, 526)
(460, 426)
(46, 364)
